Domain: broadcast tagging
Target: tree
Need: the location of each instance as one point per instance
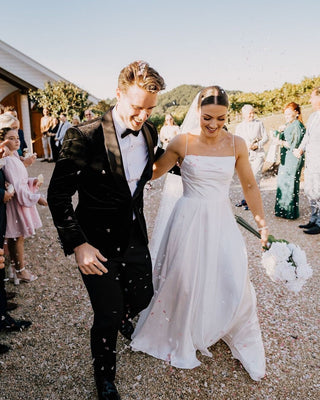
(60, 97)
(103, 106)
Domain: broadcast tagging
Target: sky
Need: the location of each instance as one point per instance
(240, 45)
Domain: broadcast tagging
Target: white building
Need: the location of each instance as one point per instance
(18, 74)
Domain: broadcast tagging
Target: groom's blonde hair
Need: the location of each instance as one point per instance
(141, 74)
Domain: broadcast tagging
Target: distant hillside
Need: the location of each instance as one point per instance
(178, 100)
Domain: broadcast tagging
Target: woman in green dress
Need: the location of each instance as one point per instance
(288, 182)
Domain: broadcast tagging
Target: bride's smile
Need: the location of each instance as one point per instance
(213, 117)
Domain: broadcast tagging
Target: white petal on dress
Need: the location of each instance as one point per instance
(202, 288)
(172, 191)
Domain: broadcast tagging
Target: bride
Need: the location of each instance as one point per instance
(202, 288)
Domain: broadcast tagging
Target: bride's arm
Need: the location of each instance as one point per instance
(170, 157)
(250, 187)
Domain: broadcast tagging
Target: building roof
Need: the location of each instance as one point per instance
(26, 73)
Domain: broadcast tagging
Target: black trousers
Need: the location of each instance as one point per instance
(3, 297)
(54, 148)
(116, 296)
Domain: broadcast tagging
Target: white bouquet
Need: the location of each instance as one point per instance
(284, 262)
(287, 263)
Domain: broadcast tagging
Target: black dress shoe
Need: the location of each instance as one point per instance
(44, 160)
(8, 324)
(126, 329)
(313, 231)
(4, 348)
(307, 226)
(11, 306)
(106, 389)
(10, 295)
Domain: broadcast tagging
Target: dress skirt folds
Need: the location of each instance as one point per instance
(202, 288)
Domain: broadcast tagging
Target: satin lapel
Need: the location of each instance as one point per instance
(148, 137)
(113, 150)
(147, 172)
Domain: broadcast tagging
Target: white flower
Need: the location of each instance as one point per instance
(295, 286)
(286, 272)
(286, 263)
(280, 250)
(304, 271)
(298, 255)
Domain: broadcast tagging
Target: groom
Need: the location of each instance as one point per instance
(108, 161)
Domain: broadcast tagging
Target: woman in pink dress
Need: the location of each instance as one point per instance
(22, 215)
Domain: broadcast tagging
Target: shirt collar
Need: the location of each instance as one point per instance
(119, 125)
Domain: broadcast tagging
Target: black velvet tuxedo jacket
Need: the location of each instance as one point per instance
(90, 163)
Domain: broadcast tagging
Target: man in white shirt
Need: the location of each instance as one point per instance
(311, 146)
(64, 125)
(255, 135)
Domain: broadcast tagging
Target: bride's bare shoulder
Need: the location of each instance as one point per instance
(240, 146)
(239, 141)
(178, 144)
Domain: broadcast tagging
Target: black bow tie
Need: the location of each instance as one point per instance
(129, 132)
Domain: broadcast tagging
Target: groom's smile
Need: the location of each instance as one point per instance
(135, 106)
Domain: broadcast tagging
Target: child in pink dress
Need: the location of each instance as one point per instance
(22, 216)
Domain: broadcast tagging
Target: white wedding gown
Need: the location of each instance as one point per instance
(202, 288)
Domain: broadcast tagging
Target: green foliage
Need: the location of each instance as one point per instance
(66, 97)
(61, 97)
(103, 106)
(271, 101)
(180, 96)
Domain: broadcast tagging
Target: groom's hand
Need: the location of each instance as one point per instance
(88, 259)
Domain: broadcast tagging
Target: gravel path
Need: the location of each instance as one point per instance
(51, 360)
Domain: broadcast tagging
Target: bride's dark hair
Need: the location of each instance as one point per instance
(213, 95)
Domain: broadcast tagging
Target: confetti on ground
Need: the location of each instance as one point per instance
(52, 359)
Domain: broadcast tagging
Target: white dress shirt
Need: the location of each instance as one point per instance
(134, 152)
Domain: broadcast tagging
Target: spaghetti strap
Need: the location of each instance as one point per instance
(186, 144)
(234, 146)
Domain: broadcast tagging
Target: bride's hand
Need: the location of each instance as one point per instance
(264, 232)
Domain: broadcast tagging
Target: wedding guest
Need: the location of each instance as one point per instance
(7, 323)
(89, 115)
(108, 161)
(52, 133)
(75, 120)
(22, 216)
(255, 135)
(45, 124)
(201, 281)
(288, 181)
(169, 130)
(310, 145)
(7, 120)
(23, 145)
(64, 125)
